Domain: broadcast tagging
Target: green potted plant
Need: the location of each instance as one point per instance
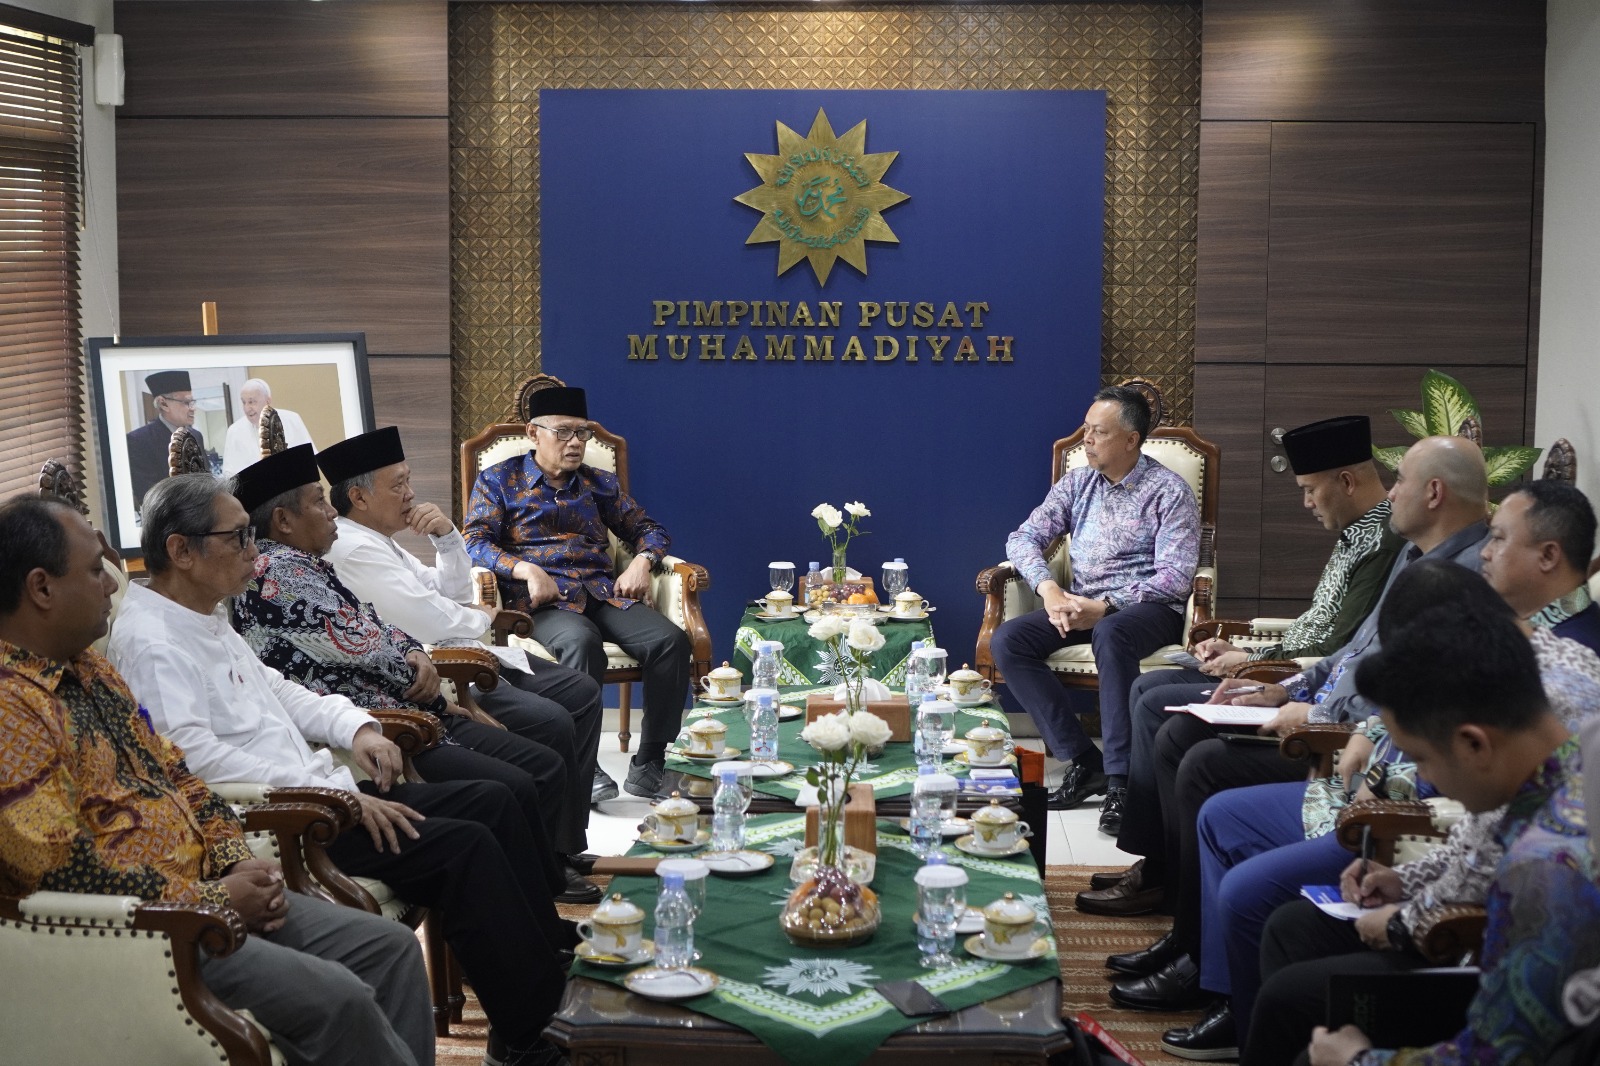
(1448, 410)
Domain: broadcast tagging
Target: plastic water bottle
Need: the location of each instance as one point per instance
(941, 900)
(814, 583)
(916, 676)
(674, 932)
(764, 728)
(925, 814)
(938, 717)
(929, 737)
(727, 818)
(764, 672)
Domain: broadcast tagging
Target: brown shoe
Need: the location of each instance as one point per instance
(1124, 899)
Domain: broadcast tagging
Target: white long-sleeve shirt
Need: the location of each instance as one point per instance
(429, 602)
(234, 718)
(242, 445)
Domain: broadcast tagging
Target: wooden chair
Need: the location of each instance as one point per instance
(1007, 595)
(675, 584)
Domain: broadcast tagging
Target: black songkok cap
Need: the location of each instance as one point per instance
(558, 401)
(361, 455)
(167, 382)
(276, 474)
(1329, 444)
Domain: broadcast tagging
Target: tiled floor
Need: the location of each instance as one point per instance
(1074, 837)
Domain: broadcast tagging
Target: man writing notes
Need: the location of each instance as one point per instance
(92, 800)
(1135, 545)
(540, 522)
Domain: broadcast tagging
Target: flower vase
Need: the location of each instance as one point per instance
(828, 908)
(839, 567)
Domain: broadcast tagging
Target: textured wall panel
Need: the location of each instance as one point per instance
(1147, 58)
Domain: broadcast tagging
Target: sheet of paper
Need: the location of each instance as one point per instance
(1224, 714)
(1330, 901)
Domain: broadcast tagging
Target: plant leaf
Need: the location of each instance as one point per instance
(1413, 421)
(1389, 458)
(1507, 464)
(811, 777)
(1446, 403)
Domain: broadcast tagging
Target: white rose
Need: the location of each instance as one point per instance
(833, 517)
(858, 509)
(831, 732)
(864, 636)
(827, 627)
(868, 730)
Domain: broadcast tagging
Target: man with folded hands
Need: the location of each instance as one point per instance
(93, 801)
(463, 846)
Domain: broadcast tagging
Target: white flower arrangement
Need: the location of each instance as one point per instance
(834, 525)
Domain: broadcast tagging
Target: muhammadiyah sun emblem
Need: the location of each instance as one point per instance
(821, 197)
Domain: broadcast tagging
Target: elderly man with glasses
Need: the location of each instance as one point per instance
(147, 445)
(540, 522)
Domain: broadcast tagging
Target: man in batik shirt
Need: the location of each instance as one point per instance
(1135, 545)
(1480, 729)
(541, 522)
(93, 801)
(1537, 556)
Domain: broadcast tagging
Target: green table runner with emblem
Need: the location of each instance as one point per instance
(818, 1007)
(810, 662)
(890, 774)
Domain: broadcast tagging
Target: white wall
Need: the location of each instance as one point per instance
(1569, 315)
(97, 262)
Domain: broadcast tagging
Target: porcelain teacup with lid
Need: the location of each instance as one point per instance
(615, 928)
(986, 745)
(723, 683)
(967, 685)
(674, 819)
(997, 828)
(1010, 927)
(705, 736)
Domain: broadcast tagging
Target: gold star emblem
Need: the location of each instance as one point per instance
(821, 198)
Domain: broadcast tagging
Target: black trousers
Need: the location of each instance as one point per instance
(535, 775)
(559, 708)
(1193, 763)
(474, 860)
(1300, 949)
(1142, 828)
(662, 649)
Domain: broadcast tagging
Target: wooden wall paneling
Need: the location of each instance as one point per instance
(1400, 242)
(1535, 261)
(1293, 546)
(413, 393)
(285, 57)
(1230, 299)
(1228, 412)
(291, 225)
(1373, 60)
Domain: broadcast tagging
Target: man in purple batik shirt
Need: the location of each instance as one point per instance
(1135, 543)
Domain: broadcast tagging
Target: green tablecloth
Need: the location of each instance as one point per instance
(809, 662)
(818, 1007)
(891, 774)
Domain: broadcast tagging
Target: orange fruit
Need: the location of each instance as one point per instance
(858, 597)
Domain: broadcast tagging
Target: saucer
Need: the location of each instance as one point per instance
(971, 920)
(955, 747)
(686, 983)
(974, 945)
(787, 712)
(969, 844)
(771, 768)
(966, 757)
(721, 701)
(792, 616)
(728, 752)
(987, 697)
(701, 839)
(893, 617)
(955, 827)
(646, 952)
(737, 863)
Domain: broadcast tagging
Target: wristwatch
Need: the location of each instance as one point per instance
(1399, 936)
(1111, 608)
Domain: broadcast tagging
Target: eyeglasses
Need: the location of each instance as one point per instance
(566, 433)
(244, 536)
(191, 402)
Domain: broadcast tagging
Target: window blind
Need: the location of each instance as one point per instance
(41, 392)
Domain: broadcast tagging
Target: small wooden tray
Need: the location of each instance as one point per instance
(895, 711)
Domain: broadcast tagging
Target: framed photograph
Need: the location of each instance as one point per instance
(147, 387)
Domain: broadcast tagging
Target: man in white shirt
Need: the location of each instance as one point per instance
(370, 486)
(461, 846)
(242, 445)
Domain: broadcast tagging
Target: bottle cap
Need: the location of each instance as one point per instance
(728, 777)
(935, 783)
(937, 876)
(815, 565)
(672, 879)
(764, 699)
(929, 697)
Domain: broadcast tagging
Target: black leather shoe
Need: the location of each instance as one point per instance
(579, 890)
(1176, 986)
(1124, 899)
(1213, 1038)
(605, 787)
(1147, 961)
(1111, 877)
(1080, 783)
(583, 862)
(1111, 811)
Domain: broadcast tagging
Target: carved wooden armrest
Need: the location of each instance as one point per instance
(295, 825)
(1384, 820)
(345, 808)
(511, 623)
(992, 580)
(413, 732)
(1204, 596)
(1316, 740)
(1452, 934)
(1267, 671)
(467, 666)
(696, 578)
(1218, 629)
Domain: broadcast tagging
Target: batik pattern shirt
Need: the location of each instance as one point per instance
(1133, 541)
(1541, 927)
(301, 620)
(1347, 591)
(516, 515)
(92, 800)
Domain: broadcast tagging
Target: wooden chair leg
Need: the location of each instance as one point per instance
(436, 954)
(624, 712)
(458, 998)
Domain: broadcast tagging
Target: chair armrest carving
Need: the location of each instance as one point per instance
(992, 579)
(293, 824)
(992, 584)
(1217, 629)
(1319, 741)
(1205, 605)
(1385, 821)
(687, 580)
(413, 732)
(345, 808)
(1451, 935)
(467, 666)
(511, 623)
(1267, 671)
